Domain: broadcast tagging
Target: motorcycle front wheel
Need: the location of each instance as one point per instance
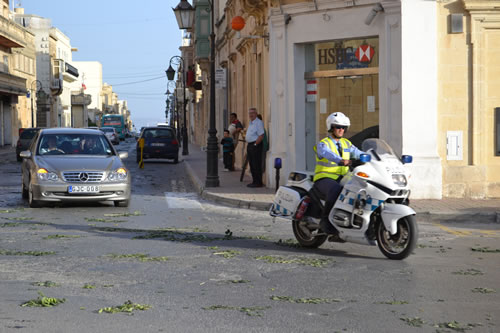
(400, 245)
(305, 236)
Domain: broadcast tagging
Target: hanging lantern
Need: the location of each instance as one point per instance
(238, 23)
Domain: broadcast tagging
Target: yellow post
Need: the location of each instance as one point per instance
(141, 145)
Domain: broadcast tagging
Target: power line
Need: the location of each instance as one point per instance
(135, 82)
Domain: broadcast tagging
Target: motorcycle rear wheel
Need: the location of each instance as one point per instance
(402, 244)
(305, 240)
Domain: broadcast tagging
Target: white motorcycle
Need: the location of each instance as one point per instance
(372, 208)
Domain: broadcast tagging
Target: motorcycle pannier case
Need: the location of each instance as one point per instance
(285, 201)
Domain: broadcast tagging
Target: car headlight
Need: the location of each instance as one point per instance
(118, 175)
(399, 180)
(43, 174)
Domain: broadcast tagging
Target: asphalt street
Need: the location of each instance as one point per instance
(182, 264)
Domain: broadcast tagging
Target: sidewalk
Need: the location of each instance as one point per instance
(232, 192)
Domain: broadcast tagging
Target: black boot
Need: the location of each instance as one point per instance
(327, 227)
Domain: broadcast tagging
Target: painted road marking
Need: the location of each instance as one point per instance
(177, 200)
(468, 232)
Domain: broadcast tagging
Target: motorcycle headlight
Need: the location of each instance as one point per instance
(399, 180)
(43, 174)
(118, 175)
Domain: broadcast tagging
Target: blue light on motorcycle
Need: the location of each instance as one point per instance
(365, 158)
(277, 163)
(406, 159)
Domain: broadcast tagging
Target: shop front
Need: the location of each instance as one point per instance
(361, 61)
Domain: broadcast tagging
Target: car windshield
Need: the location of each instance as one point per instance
(158, 133)
(379, 148)
(74, 144)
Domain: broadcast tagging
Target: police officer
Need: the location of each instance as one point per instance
(333, 157)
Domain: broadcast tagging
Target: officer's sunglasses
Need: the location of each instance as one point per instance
(341, 127)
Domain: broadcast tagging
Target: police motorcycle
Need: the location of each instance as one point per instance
(372, 208)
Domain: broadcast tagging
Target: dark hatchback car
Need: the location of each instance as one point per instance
(24, 141)
(159, 142)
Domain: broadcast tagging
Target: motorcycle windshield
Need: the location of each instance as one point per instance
(379, 146)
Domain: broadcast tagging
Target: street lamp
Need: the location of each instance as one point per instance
(185, 10)
(37, 82)
(173, 107)
(170, 75)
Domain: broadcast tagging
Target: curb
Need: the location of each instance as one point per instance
(237, 203)
(451, 216)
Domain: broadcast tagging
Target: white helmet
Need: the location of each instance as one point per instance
(337, 118)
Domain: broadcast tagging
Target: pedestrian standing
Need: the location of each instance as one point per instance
(235, 128)
(254, 137)
(228, 150)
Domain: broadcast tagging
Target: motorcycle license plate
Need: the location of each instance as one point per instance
(83, 189)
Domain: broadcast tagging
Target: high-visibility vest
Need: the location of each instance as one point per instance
(328, 169)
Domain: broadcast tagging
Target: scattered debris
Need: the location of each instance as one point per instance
(415, 322)
(305, 300)
(483, 290)
(470, 271)
(56, 236)
(456, 326)
(394, 302)
(315, 262)
(45, 284)
(26, 253)
(227, 253)
(254, 311)
(43, 301)
(88, 286)
(91, 219)
(139, 256)
(136, 213)
(485, 249)
(128, 307)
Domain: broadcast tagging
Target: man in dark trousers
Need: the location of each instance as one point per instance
(254, 137)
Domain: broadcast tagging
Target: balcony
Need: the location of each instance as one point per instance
(11, 34)
(56, 86)
(70, 73)
(12, 84)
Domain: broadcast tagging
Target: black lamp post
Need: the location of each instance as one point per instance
(170, 75)
(37, 82)
(186, 11)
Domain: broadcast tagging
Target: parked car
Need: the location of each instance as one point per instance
(110, 132)
(25, 137)
(74, 164)
(159, 142)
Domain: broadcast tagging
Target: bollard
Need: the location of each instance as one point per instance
(277, 166)
(141, 145)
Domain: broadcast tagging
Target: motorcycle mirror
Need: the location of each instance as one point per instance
(406, 159)
(277, 163)
(365, 158)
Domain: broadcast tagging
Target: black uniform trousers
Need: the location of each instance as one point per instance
(254, 154)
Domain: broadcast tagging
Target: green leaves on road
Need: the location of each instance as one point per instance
(128, 307)
(253, 311)
(315, 262)
(485, 249)
(136, 213)
(43, 301)
(26, 253)
(57, 236)
(227, 253)
(45, 284)
(139, 256)
(470, 271)
(305, 300)
(483, 290)
(415, 322)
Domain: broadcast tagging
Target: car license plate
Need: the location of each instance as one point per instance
(83, 189)
(157, 144)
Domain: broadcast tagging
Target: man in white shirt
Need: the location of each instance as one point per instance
(254, 137)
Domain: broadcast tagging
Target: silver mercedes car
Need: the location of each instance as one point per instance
(74, 164)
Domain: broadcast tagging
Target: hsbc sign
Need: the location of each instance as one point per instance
(343, 57)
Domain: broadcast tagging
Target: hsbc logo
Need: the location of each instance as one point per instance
(346, 57)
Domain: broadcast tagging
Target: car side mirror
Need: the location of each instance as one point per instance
(25, 154)
(123, 155)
